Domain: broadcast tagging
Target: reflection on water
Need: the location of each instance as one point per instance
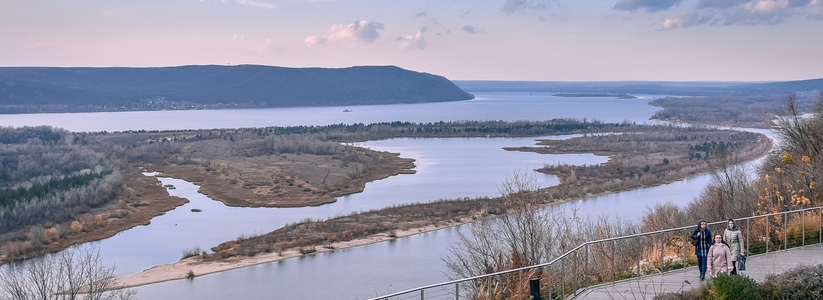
(406, 263)
(448, 168)
(390, 266)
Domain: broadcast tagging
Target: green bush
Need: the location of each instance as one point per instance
(730, 287)
(803, 282)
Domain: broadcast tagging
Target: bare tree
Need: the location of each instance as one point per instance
(514, 239)
(731, 193)
(527, 233)
(75, 273)
(801, 134)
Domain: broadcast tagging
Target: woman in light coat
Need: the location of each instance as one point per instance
(719, 258)
(734, 238)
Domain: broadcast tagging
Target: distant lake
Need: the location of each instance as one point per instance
(506, 106)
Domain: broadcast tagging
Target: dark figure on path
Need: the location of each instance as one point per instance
(702, 240)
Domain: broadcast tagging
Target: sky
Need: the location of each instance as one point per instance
(534, 40)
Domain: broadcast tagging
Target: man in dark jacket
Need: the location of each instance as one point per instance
(702, 241)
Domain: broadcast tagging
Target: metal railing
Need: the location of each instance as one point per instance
(624, 257)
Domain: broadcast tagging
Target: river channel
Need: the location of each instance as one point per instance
(446, 169)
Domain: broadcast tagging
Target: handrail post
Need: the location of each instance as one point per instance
(576, 272)
(662, 258)
(422, 297)
(768, 234)
(685, 261)
(785, 231)
(551, 281)
(637, 264)
(614, 245)
(562, 278)
(490, 288)
(748, 234)
(820, 225)
(520, 285)
(456, 291)
(586, 266)
(803, 236)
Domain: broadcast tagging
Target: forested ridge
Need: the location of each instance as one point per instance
(52, 89)
(48, 176)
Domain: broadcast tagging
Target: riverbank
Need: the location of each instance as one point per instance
(385, 224)
(198, 267)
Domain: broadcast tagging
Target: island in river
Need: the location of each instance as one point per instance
(639, 156)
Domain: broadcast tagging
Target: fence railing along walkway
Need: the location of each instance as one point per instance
(610, 260)
(758, 267)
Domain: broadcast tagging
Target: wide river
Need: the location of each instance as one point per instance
(446, 168)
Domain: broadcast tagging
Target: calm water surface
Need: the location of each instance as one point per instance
(486, 106)
(446, 168)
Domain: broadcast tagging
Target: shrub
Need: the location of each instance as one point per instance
(797, 232)
(99, 221)
(803, 282)
(730, 287)
(307, 250)
(51, 234)
(693, 294)
(190, 275)
(76, 227)
(226, 253)
(191, 252)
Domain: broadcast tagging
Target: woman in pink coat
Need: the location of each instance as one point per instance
(719, 258)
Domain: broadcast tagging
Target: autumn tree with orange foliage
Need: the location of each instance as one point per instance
(789, 177)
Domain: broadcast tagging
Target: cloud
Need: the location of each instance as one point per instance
(516, 6)
(647, 5)
(766, 6)
(359, 32)
(256, 3)
(720, 3)
(469, 29)
(314, 40)
(415, 41)
(421, 14)
(739, 12)
(684, 21)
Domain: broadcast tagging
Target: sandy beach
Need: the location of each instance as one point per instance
(180, 269)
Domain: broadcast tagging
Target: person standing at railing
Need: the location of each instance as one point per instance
(734, 238)
(719, 257)
(702, 241)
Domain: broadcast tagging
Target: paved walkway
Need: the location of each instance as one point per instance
(757, 267)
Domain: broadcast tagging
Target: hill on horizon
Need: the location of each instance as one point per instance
(71, 89)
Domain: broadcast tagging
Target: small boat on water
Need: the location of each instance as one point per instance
(347, 110)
